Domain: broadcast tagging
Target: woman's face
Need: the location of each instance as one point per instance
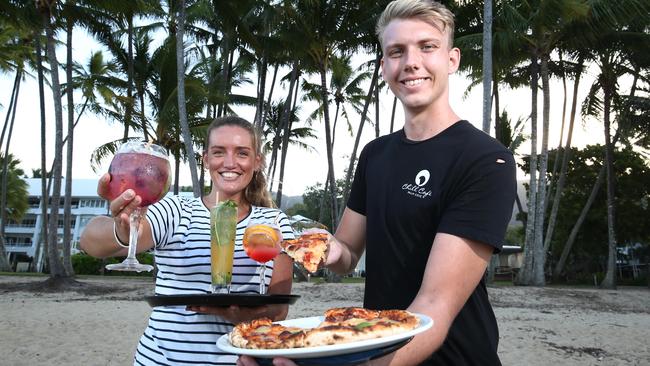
(231, 160)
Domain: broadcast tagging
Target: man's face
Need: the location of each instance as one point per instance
(417, 62)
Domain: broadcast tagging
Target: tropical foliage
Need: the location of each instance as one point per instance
(167, 68)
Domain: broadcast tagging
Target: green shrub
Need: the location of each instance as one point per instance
(83, 264)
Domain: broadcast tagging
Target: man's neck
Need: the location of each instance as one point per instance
(428, 123)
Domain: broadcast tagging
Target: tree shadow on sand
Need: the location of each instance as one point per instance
(62, 284)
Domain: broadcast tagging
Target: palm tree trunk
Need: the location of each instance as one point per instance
(328, 144)
(268, 100)
(525, 274)
(42, 243)
(143, 116)
(568, 245)
(177, 169)
(487, 96)
(497, 121)
(128, 116)
(11, 113)
(392, 115)
(487, 64)
(538, 277)
(566, 156)
(11, 105)
(67, 214)
(376, 112)
(286, 129)
(182, 108)
(353, 155)
(55, 266)
(261, 92)
(609, 281)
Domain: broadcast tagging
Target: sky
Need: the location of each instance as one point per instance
(303, 168)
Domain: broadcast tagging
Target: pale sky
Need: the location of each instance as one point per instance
(303, 169)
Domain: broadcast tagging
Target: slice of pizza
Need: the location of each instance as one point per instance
(309, 250)
(264, 334)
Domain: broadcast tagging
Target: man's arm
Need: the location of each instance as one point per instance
(454, 269)
(348, 243)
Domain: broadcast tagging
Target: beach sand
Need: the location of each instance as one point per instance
(100, 323)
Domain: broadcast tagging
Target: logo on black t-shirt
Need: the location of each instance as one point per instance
(418, 189)
(422, 178)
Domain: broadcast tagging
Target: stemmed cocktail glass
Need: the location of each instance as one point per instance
(262, 243)
(143, 167)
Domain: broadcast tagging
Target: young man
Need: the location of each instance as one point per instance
(430, 203)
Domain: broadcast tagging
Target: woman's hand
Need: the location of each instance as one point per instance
(121, 207)
(233, 313)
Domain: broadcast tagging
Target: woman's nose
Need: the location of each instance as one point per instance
(229, 160)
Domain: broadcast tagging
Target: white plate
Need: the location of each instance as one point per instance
(320, 351)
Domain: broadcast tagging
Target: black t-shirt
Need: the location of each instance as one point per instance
(461, 182)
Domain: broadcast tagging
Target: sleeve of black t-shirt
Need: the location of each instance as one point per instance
(357, 199)
(482, 202)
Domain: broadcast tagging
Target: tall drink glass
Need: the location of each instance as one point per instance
(223, 228)
(262, 243)
(143, 167)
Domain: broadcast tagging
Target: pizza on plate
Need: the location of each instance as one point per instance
(308, 249)
(340, 325)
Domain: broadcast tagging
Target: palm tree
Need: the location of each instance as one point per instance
(326, 27)
(15, 204)
(182, 112)
(274, 135)
(48, 9)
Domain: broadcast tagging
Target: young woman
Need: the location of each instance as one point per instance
(178, 230)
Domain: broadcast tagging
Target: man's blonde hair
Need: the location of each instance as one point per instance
(429, 11)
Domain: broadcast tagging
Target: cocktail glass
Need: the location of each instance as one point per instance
(223, 228)
(262, 243)
(143, 167)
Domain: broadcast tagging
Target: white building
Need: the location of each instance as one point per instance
(21, 238)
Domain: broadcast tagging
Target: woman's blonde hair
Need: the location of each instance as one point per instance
(429, 11)
(256, 193)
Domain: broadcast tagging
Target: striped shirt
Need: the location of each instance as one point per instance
(181, 230)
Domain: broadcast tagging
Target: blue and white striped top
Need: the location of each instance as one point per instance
(181, 230)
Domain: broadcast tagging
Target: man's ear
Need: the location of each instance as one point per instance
(454, 60)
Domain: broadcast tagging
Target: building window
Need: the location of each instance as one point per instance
(92, 203)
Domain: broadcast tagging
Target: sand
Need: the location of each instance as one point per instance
(538, 326)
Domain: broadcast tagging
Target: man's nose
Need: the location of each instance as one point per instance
(412, 60)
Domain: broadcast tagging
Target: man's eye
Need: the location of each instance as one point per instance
(428, 47)
(394, 53)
